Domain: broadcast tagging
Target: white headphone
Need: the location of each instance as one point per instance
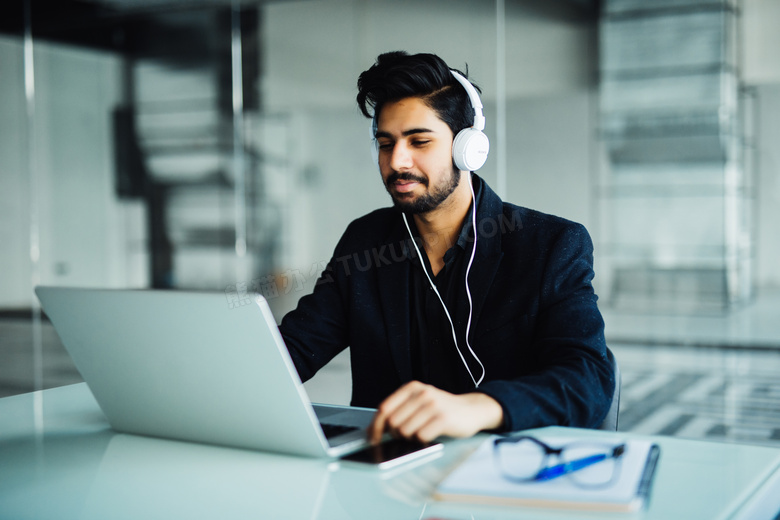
(471, 146)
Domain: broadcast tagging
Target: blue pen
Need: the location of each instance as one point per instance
(569, 467)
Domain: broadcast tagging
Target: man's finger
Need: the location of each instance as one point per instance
(393, 411)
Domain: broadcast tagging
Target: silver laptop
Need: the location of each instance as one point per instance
(187, 366)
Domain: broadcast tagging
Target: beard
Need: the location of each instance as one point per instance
(429, 200)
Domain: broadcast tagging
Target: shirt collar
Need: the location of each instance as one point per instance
(465, 237)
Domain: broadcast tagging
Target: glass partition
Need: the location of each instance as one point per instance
(216, 146)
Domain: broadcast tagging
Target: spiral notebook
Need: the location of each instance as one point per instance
(478, 480)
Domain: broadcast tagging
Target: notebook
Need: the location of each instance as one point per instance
(478, 479)
(194, 367)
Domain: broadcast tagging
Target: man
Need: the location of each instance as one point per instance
(448, 334)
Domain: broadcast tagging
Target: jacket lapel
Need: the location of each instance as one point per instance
(489, 254)
(394, 295)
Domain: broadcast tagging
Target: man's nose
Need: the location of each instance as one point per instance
(401, 158)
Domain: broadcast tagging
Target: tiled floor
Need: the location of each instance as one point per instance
(19, 361)
(698, 392)
(714, 377)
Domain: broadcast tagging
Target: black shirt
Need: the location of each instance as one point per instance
(435, 358)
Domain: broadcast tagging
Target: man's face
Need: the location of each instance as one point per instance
(415, 155)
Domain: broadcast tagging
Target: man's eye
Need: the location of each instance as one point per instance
(420, 142)
(385, 146)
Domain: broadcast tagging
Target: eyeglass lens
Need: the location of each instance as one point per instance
(601, 472)
(584, 464)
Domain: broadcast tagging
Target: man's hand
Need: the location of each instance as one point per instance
(423, 412)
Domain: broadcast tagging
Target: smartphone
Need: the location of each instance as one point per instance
(393, 452)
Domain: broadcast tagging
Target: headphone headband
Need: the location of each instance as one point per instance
(476, 103)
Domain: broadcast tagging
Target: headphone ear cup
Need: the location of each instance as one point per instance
(470, 149)
(374, 142)
(375, 152)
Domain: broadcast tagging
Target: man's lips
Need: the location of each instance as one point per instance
(403, 182)
(405, 186)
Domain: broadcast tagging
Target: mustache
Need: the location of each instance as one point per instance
(405, 176)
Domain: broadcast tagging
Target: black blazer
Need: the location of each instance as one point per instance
(535, 327)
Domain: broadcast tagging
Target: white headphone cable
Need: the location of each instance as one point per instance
(468, 269)
(468, 292)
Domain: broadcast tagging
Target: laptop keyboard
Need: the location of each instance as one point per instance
(334, 430)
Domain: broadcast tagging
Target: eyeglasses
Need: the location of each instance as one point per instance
(586, 464)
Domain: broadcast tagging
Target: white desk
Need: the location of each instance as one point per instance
(60, 460)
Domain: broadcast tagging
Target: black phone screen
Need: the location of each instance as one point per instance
(393, 452)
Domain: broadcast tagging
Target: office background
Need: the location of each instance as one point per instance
(217, 146)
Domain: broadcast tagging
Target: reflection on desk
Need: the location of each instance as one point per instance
(65, 462)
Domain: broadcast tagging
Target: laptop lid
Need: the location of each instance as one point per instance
(187, 366)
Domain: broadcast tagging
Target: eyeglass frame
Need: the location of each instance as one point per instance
(558, 470)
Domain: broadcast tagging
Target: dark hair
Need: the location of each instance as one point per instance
(398, 75)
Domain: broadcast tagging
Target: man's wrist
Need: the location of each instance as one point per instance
(491, 413)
